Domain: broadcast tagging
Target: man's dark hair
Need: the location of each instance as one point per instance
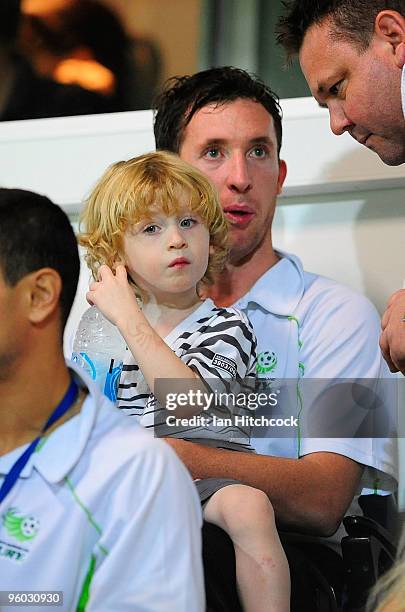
(9, 20)
(351, 20)
(183, 96)
(35, 233)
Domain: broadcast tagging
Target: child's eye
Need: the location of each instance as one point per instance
(187, 222)
(150, 229)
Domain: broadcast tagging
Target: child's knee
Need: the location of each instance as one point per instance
(248, 509)
(258, 506)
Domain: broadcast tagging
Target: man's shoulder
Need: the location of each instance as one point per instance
(120, 437)
(286, 290)
(322, 287)
(339, 331)
(123, 456)
(325, 296)
(105, 434)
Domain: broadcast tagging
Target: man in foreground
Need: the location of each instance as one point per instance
(228, 125)
(90, 505)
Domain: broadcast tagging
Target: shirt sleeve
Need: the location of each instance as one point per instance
(224, 349)
(149, 554)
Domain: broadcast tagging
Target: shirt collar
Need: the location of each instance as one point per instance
(280, 289)
(59, 452)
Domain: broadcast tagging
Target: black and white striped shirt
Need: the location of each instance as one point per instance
(217, 343)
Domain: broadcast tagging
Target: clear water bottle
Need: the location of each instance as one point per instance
(99, 348)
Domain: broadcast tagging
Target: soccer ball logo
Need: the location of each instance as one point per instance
(20, 527)
(266, 362)
(30, 527)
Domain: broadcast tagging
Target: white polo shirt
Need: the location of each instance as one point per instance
(103, 502)
(310, 327)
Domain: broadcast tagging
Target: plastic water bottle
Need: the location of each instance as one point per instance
(99, 348)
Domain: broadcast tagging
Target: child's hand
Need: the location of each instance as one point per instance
(113, 295)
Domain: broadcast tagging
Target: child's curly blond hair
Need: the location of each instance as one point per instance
(127, 192)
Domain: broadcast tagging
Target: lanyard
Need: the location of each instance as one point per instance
(68, 399)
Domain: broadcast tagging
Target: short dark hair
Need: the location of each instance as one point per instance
(183, 96)
(35, 233)
(351, 20)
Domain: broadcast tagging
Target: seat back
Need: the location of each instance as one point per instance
(368, 550)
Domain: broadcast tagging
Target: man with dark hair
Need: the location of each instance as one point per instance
(220, 85)
(37, 234)
(352, 54)
(75, 476)
(228, 124)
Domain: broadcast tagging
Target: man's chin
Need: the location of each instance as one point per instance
(391, 155)
(239, 254)
(395, 161)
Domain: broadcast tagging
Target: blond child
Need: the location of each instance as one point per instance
(155, 234)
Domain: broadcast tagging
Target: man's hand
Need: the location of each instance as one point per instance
(392, 339)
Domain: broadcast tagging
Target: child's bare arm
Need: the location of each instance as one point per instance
(113, 295)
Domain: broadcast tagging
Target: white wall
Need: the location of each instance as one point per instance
(342, 210)
(357, 238)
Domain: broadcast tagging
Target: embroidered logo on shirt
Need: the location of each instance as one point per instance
(20, 527)
(266, 362)
(224, 363)
(23, 529)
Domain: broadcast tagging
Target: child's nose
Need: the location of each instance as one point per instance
(177, 239)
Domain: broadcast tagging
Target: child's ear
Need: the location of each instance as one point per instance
(211, 249)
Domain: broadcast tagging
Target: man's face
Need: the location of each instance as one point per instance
(235, 145)
(11, 328)
(361, 90)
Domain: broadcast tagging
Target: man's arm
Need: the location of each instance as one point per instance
(310, 494)
(392, 340)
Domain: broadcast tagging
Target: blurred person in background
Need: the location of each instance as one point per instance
(26, 95)
(84, 42)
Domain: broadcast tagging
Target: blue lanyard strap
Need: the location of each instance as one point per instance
(68, 399)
